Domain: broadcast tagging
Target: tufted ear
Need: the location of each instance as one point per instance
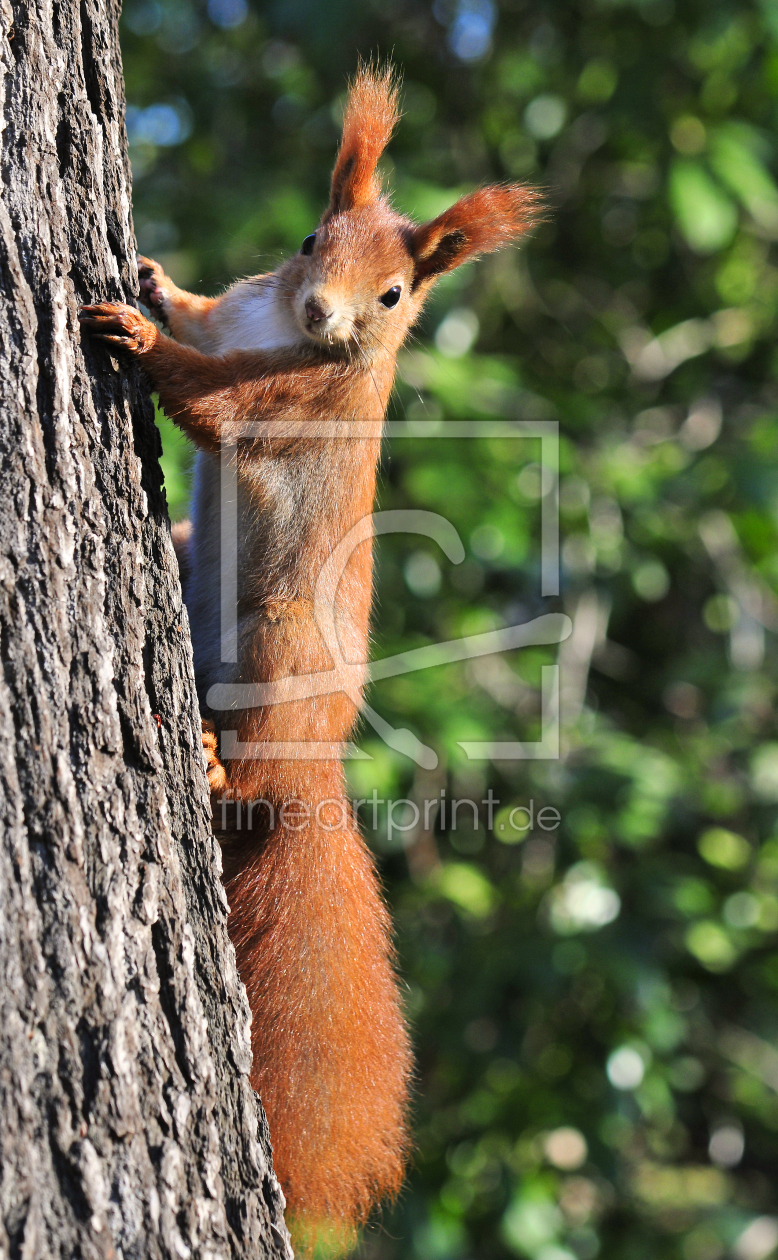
(370, 118)
(476, 224)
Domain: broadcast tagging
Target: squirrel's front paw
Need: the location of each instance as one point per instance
(217, 775)
(154, 286)
(121, 325)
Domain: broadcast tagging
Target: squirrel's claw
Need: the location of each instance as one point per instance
(124, 342)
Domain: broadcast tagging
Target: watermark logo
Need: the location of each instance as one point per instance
(348, 677)
(401, 818)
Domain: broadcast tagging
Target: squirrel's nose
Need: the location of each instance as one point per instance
(315, 311)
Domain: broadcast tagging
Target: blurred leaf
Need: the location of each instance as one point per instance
(466, 887)
(735, 160)
(703, 211)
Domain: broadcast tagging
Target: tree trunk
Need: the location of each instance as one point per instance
(127, 1123)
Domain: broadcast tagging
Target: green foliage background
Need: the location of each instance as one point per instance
(595, 1008)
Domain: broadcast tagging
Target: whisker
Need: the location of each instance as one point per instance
(368, 366)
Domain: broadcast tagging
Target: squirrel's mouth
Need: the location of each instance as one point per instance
(328, 332)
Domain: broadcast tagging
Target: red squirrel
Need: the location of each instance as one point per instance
(313, 343)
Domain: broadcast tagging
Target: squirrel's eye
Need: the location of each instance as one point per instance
(308, 244)
(391, 297)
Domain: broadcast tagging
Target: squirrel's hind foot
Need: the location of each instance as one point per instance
(181, 535)
(217, 775)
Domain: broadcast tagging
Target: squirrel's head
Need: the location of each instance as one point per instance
(361, 278)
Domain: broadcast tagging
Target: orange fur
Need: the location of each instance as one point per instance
(370, 117)
(331, 1057)
(477, 224)
(312, 345)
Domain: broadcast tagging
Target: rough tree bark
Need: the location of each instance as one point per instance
(127, 1124)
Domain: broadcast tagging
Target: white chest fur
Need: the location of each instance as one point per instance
(252, 316)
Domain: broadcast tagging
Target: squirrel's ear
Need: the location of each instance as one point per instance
(476, 224)
(370, 118)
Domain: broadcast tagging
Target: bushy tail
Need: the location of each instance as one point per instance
(331, 1053)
